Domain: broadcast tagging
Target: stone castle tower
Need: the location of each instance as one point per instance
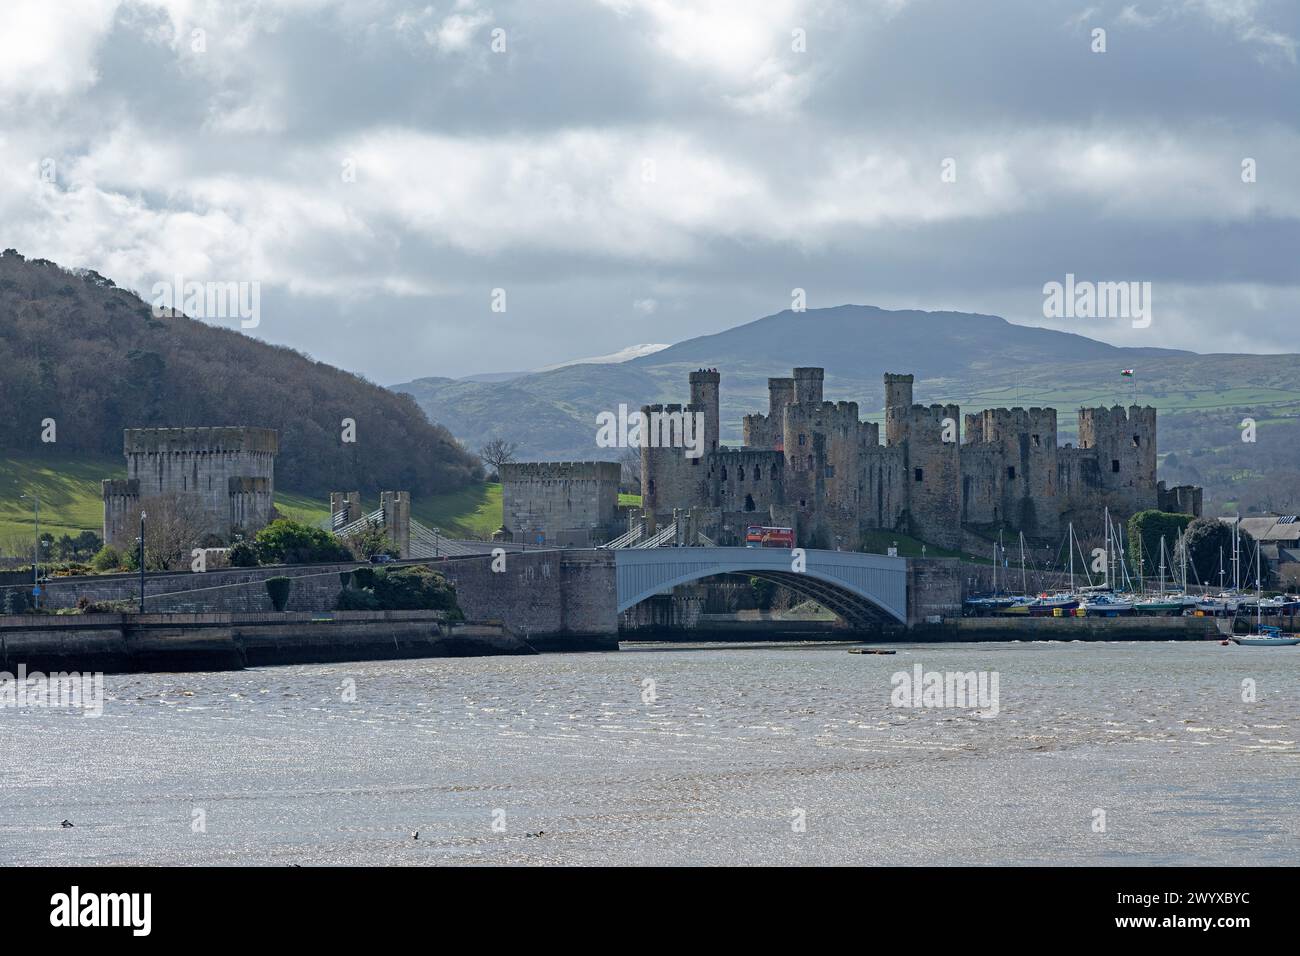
(227, 474)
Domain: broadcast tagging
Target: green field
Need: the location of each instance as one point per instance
(71, 501)
(68, 489)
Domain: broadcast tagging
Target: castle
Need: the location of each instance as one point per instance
(227, 475)
(815, 466)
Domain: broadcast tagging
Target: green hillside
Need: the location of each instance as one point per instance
(71, 501)
(68, 490)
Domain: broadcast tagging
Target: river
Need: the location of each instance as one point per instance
(1124, 753)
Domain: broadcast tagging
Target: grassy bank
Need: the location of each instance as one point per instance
(71, 500)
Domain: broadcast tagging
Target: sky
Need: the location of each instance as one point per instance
(471, 186)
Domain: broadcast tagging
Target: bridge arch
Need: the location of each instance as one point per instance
(864, 589)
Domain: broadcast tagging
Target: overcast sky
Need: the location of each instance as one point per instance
(635, 171)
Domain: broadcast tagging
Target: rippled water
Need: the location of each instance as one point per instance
(716, 768)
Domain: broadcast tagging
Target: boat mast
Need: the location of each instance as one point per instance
(1162, 565)
(1259, 592)
(1071, 547)
(1024, 588)
(1107, 548)
(1236, 553)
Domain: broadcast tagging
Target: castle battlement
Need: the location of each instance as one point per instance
(201, 440)
(836, 480)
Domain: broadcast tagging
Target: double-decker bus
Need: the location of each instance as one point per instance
(760, 536)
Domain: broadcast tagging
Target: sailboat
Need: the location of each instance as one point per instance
(1166, 603)
(1102, 600)
(1265, 635)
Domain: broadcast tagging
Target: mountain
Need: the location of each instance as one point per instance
(76, 349)
(978, 361)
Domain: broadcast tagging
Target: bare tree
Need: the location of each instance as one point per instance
(175, 525)
(498, 452)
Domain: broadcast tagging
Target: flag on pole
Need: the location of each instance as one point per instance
(1126, 372)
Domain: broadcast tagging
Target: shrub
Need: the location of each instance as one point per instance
(414, 589)
(108, 558)
(417, 588)
(278, 588)
(356, 599)
(242, 555)
(290, 542)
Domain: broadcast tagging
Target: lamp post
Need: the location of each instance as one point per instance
(36, 552)
(142, 517)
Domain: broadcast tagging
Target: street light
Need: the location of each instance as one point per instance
(142, 517)
(36, 552)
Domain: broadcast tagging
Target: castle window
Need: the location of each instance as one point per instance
(749, 502)
(740, 474)
(1137, 441)
(724, 472)
(1037, 443)
(1114, 465)
(774, 472)
(1011, 472)
(803, 502)
(694, 462)
(803, 439)
(652, 486)
(918, 474)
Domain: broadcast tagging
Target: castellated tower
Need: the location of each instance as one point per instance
(229, 473)
(1125, 445)
(808, 385)
(898, 401)
(823, 448)
(933, 469)
(704, 397)
(1009, 470)
(766, 431)
(780, 393)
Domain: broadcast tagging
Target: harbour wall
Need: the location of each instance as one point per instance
(224, 641)
(1067, 629)
(556, 600)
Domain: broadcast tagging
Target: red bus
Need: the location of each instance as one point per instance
(760, 536)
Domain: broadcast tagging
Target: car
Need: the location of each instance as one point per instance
(381, 558)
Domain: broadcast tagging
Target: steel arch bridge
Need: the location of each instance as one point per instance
(864, 589)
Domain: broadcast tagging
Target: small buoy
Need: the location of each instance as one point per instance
(67, 823)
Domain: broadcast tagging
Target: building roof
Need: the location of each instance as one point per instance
(1271, 527)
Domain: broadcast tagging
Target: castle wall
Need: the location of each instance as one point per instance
(1180, 499)
(749, 482)
(561, 502)
(884, 484)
